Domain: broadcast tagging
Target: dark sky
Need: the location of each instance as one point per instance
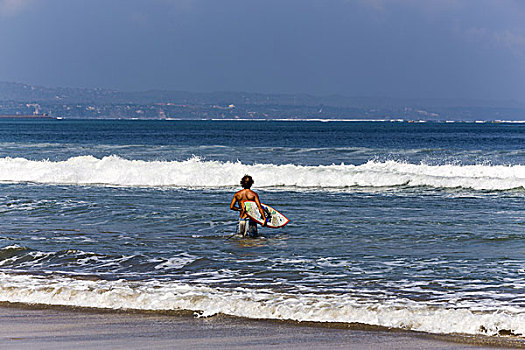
(396, 48)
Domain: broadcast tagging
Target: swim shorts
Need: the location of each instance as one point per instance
(248, 228)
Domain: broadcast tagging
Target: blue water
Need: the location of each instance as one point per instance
(415, 226)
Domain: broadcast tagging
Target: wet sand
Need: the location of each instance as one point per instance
(55, 328)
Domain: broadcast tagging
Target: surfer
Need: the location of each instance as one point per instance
(247, 227)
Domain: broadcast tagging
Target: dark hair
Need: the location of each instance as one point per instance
(246, 181)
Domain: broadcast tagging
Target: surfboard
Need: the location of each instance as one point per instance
(275, 219)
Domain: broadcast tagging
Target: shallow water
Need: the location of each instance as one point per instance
(414, 226)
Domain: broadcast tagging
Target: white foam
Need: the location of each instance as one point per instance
(174, 262)
(208, 301)
(194, 172)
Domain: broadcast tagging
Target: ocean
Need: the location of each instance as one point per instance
(415, 226)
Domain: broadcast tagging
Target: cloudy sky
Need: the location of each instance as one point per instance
(396, 48)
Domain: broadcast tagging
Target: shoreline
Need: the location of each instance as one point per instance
(312, 120)
(48, 327)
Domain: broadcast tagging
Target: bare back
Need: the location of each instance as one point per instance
(243, 196)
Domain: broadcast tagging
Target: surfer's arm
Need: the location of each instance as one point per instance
(232, 204)
(258, 202)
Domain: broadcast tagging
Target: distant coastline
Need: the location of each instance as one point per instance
(19, 100)
(26, 116)
(240, 120)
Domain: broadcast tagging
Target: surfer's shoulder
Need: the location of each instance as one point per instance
(251, 194)
(242, 194)
(245, 195)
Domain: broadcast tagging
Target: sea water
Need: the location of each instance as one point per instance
(411, 226)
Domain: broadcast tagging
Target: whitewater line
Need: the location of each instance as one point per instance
(194, 172)
(207, 301)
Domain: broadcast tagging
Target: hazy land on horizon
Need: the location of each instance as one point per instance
(24, 99)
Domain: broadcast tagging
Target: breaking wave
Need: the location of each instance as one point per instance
(207, 301)
(195, 172)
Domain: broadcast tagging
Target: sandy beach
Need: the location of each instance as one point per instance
(22, 327)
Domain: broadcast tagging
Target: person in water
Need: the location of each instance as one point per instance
(247, 226)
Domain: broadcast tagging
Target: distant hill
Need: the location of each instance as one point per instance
(18, 98)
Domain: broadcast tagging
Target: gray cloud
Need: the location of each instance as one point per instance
(9, 8)
(513, 41)
(407, 48)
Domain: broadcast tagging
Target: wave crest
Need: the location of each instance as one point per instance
(195, 172)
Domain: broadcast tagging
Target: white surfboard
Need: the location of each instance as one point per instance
(275, 219)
